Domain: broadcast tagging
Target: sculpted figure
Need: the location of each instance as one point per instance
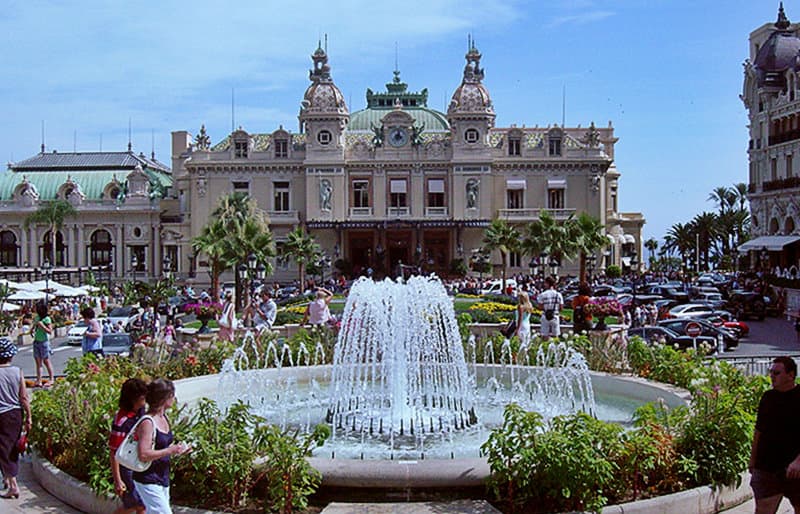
(473, 185)
(325, 193)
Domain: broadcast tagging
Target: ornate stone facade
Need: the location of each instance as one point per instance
(399, 182)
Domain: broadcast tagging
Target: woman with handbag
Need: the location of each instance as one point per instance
(13, 401)
(156, 446)
(131, 408)
(227, 320)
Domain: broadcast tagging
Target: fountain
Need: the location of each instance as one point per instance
(401, 386)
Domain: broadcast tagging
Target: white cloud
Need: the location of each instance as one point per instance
(582, 18)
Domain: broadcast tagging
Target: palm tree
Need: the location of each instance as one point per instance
(52, 214)
(723, 197)
(740, 190)
(587, 233)
(502, 237)
(547, 235)
(211, 243)
(705, 228)
(652, 245)
(303, 249)
(680, 239)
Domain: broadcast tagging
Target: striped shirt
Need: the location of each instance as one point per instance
(123, 422)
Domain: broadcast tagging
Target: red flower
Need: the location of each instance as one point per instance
(191, 360)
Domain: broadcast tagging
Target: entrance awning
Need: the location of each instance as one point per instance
(771, 243)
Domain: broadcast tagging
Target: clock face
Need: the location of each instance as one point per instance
(398, 136)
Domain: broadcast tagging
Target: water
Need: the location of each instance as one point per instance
(401, 386)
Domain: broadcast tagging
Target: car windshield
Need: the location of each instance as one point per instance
(120, 312)
(116, 340)
(80, 324)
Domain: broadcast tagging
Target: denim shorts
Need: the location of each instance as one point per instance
(771, 483)
(42, 350)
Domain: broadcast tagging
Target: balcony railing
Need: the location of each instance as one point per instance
(283, 217)
(398, 212)
(781, 183)
(790, 135)
(435, 212)
(533, 214)
(360, 212)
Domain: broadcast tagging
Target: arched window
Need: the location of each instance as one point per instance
(773, 226)
(100, 248)
(8, 248)
(788, 226)
(46, 249)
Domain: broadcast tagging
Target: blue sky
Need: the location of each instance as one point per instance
(666, 73)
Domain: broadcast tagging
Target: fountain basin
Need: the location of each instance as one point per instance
(459, 477)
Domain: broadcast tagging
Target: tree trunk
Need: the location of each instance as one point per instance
(302, 270)
(53, 241)
(582, 267)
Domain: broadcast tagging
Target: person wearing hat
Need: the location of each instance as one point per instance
(13, 400)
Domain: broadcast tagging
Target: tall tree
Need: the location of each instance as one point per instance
(705, 229)
(548, 235)
(651, 245)
(740, 189)
(504, 238)
(588, 235)
(303, 249)
(52, 214)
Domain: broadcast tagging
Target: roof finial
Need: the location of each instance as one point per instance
(783, 22)
(42, 136)
(129, 134)
(326, 42)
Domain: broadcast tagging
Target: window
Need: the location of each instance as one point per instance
(8, 248)
(398, 193)
(281, 196)
(555, 147)
(789, 171)
(435, 192)
(241, 187)
(514, 198)
(774, 170)
(514, 145)
(240, 149)
(281, 149)
(555, 198)
(361, 193)
(100, 248)
(324, 137)
(514, 260)
(471, 135)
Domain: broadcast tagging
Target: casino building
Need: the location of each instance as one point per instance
(399, 182)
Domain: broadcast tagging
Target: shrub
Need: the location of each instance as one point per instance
(613, 271)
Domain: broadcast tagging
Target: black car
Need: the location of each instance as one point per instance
(747, 304)
(657, 334)
(679, 325)
(117, 344)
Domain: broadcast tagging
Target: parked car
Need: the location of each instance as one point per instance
(740, 328)
(126, 315)
(669, 292)
(689, 310)
(678, 325)
(496, 286)
(117, 344)
(713, 299)
(75, 333)
(747, 304)
(657, 334)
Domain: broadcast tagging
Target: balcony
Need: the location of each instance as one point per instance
(781, 183)
(533, 214)
(283, 217)
(783, 137)
(398, 212)
(436, 212)
(360, 212)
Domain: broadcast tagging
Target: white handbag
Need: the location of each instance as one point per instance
(128, 452)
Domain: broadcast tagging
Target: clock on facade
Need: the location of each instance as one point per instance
(398, 136)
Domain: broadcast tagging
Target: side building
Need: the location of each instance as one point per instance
(121, 201)
(771, 95)
(401, 183)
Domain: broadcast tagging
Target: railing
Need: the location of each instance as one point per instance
(435, 211)
(790, 135)
(358, 212)
(281, 217)
(781, 183)
(532, 214)
(756, 365)
(398, 212)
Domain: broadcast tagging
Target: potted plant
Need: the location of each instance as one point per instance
(204, 312)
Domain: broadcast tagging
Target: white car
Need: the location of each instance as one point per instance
(689, 310)
(75, 334)
(125, 315)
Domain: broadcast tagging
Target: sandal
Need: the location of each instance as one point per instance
(37, 384)
(9, 495)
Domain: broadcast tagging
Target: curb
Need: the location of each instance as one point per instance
(700, 500)
(78, 495)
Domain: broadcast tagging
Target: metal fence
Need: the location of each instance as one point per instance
(756, 365)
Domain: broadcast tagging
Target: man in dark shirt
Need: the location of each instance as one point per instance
(775, 455)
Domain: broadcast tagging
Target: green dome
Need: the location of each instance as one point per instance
(365, 119)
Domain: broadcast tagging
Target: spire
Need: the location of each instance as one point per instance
(783, 22)
(321, 71)
(473, 73)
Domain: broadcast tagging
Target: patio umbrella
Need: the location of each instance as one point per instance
(9, 307)
(23, 295)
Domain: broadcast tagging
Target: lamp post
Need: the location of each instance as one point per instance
(47, 270)
(554, 264)
(166, 266)
(635, 277)
(590, 265)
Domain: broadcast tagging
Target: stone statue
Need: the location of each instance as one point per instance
(202, 141)
(325, 193)
(472, 193)
(416, 134)
(377, 138)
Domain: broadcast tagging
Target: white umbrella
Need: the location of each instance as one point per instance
(9, 307)
(62, 290)
(27, 295)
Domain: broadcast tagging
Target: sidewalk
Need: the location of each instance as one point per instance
(33, 499)
(749, 507)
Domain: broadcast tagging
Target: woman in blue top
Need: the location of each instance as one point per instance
(93, 337)
(153, 483)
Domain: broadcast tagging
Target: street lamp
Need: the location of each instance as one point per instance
(166, 266)
(134, 265)
(554, 264)
(47, 269)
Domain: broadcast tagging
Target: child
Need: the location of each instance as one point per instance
(131, 408)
